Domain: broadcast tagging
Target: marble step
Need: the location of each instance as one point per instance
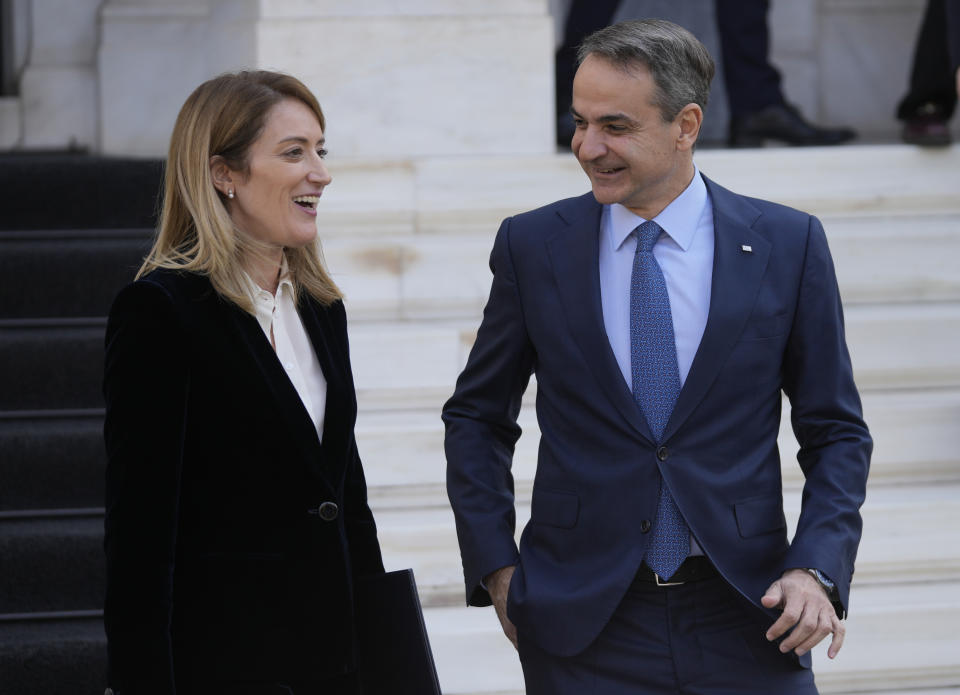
(918, 656)
(916, 440)
(53, 655)
(467, 194)
(879, 258)
(58, 363)
(55, 458)
(910, 257)
(920, 652)
(915, 435)
(51, 364)
(415, 364)
(51, 459)
(904, 345)
(52, 563)
(104, 192)
(82, 270)
(908, 537)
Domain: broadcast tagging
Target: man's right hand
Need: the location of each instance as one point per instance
(498, 584)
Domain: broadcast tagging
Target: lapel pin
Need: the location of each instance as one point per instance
(746, 248)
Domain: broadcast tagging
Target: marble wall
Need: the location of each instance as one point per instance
(397, 80)
(403, 80)
(402, 85)
(151, 55)
(58, 85)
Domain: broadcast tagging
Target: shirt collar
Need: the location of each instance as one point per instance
(263, 301)
(286, 282)
(255, 292)
(679, 219)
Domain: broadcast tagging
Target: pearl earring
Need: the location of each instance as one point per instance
(230, 194)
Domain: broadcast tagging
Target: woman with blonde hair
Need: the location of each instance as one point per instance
(236, 508)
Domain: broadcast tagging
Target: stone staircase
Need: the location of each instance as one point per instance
(62, 258)
(408, 242)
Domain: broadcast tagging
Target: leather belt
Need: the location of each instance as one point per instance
(693, 569)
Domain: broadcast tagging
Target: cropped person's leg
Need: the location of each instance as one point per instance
(932, 96)
(758, 109)
(752, 83)
(584, 17)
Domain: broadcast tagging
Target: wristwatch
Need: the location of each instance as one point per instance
(823, 580)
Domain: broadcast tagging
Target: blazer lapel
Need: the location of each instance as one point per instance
(737, 274)
(574, 254)
(340, 406)
(285, 395)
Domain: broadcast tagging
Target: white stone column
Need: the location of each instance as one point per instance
(59, 84)
(396, 80)
(152, 54)
(422, 77)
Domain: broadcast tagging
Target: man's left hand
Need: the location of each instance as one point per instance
(807, 609)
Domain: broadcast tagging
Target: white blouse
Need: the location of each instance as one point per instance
(278, 317)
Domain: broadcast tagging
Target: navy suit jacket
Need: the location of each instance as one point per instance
(775, 326)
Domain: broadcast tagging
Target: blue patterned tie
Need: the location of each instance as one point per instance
(656, 385)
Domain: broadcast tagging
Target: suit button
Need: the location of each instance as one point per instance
(662, 453)
(644, 526)
(327, 511)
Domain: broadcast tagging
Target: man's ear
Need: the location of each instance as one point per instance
(689, 119)
(221, 174)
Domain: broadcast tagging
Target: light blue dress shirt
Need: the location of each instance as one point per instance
(685, 255)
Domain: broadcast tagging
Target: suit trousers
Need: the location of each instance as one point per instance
(935, 58)
(752, 82)
(700, 638)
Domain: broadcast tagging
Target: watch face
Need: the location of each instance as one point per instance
(822, 578)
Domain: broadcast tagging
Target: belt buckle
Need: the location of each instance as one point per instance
(660, 582)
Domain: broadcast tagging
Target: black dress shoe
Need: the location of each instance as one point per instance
(927, 127)
(783, 122)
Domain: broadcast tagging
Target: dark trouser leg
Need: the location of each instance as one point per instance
(584, 18)
(701, 638)
(758, 110)
(953, 34)
(752, 82)
(932, 80)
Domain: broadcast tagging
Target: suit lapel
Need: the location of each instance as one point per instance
(340, 406)
(737, 275)
(286, 399)
(574, 255)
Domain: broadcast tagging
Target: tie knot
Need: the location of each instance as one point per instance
(647, 235)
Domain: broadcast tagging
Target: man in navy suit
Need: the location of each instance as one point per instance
(663, 316)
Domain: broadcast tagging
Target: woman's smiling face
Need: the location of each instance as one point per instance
(275, 200)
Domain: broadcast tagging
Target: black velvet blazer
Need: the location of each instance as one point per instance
(233, 534)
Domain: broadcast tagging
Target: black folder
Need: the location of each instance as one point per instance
(395, 656)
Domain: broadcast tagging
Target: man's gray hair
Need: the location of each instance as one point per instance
(681, 67)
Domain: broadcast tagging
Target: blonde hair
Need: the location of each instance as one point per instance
(224, 117)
